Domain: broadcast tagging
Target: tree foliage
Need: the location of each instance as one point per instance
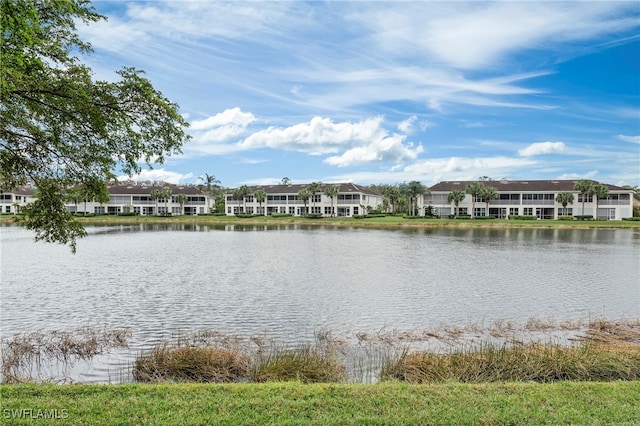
(584, 186)
(58, 127)
(474, 189)
(456, 197)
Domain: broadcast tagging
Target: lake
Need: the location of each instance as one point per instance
(288, 282)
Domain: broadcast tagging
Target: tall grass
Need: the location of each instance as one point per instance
(537, 362)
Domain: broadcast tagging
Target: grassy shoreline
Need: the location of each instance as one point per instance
(373, 222)
(296, 403)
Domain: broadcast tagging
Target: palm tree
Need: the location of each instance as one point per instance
(156, 194)
(584, 187)
(489, 193)
(564, 198)
(390, 195)
(332, 192)
(474, 189)
(181, 199)
(599, 192)
(260, 195)
(456, 197)
(166, 195)
(304, 195)
(313, 188)
(212, 185)
(242, 192)
(413, 190)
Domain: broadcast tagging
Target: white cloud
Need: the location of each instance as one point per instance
(389, 149)
(233, 116)
(571, 176)
(159, 175)
(439, 169)
(218, 134)
(632, 139)
(318, 136)
(540, 148)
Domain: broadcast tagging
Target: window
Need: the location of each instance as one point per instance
(315, 210)
(292, 210)
(587, 198)
(355, 210)
(328, 211)
(5, 197)
(528, 211)
(479, 211)
(7, 209)
(513, 211)
(316, 198)
(462, 210)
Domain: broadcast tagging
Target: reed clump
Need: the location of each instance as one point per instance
(535, 362)
(191, 364)
(306, 364)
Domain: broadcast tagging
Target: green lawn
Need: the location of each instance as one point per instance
(374, 222)
(294, 403)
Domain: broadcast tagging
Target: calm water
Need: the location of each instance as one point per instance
(287, 282)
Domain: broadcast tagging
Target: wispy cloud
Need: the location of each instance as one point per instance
(632, 139)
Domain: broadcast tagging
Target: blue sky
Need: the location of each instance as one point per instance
(387, 92)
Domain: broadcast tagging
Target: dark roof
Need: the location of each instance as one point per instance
(128, 189)
(295, 188)
(518, 185)
(23, 190)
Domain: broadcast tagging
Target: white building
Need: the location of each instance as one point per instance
(123, 198)
(351, 200)
(532, 198)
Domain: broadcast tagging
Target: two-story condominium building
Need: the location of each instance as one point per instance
(123, 198)
(530, 197)
(351, 200)
(12, 201)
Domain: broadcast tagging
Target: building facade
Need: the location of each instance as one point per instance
(123, 198)
(531, 198)
(351, 200)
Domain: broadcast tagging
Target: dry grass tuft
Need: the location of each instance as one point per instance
(191, 364)
(25, 352)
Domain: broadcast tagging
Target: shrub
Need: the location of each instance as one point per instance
(635, 218)
(523, 217)
(191, 364)
(565, 217)
(463, 216)
(281, 215)
(247, 215)
(483, 217)
(584, 217)
(128, 214)
(313, 216)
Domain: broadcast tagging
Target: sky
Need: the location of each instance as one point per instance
(376, 92)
